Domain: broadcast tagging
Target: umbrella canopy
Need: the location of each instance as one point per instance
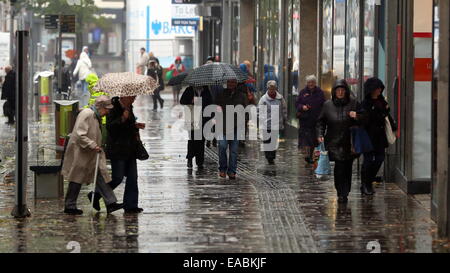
(126, 84)
(177, 80)
(214, 74)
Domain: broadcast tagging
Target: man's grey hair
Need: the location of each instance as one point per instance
(311, 78)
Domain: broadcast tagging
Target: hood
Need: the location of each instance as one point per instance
(243, 68)
(341, 83)
(92, 80)
(373, 84)
(270, 68)
(178, 59)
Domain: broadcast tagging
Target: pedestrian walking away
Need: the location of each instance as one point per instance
(229, 140)
(82, 70)
(337, 117)
(66, 80)
(121, 149)
(141, 66)
(196, 147)
(9, 94)
(271, 125)
(79, 160)
(156, 72)
(309, 105)
(376, 109)
(176, 69)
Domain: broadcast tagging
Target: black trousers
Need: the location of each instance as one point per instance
(196, 148)
(372, 164)
(343, 177)
(157, 98)
(11, 113)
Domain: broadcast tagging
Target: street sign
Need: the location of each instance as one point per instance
(191, 22)
(68, 23)
(185, 11)
(187, 1)
(51, 21)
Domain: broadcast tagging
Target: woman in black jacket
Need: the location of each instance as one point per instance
(376, 109)
(156, 72)
(196, 143)
(333, 128)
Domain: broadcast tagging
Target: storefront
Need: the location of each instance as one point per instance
(440, 204)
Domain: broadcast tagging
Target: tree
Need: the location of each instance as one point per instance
(84, 12)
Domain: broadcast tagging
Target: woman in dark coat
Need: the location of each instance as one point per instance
(309, 105)
(196, 147)
(333, 128)
(376, 109)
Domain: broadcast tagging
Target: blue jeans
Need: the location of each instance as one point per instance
(228, 165)
(128, 169)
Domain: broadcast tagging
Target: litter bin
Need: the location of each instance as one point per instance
(45, 87)
(65, 116)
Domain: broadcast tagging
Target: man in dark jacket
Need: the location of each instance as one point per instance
(123, 136)
(376, 109)
(9, 94)
(156, 72)
(66, 80)
(333, 128)
(196, 147)
(231, 96)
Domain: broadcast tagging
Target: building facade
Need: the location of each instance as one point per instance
(398, 41)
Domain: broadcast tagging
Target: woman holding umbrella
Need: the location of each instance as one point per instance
(123, 131)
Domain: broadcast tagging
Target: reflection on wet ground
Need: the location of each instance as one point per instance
(281, 208)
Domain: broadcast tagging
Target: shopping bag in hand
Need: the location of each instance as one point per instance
(323, 167)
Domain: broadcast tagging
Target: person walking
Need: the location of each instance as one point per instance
(270, 124)
(66, 79)
(309, 105)
(80, 158)
(196, 142)
(156, 72)
(333, 128)
(82, 70)
(123, 137)
(376, 109)
(9, 94)
(177, 68)
(229, 140)
(143, 62)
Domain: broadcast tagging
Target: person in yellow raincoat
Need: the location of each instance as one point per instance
(92, 80)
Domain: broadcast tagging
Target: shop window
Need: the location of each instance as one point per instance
(339, 39)
(327, 77)
(352, 64)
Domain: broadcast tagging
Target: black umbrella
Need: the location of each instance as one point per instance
(178, 79)
(214, 74)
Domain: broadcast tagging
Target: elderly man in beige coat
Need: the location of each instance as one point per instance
(80, 158)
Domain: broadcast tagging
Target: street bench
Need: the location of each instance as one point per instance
(48, 181)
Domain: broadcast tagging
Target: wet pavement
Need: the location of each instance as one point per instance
(268, 209)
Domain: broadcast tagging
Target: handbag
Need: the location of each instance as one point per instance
(323, 166)
(390, 135)
(361, 142)
(141, 152)
(169, 75)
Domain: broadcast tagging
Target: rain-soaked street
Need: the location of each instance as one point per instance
(268, 209)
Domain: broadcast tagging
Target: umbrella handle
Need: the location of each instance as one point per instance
(95, 181)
